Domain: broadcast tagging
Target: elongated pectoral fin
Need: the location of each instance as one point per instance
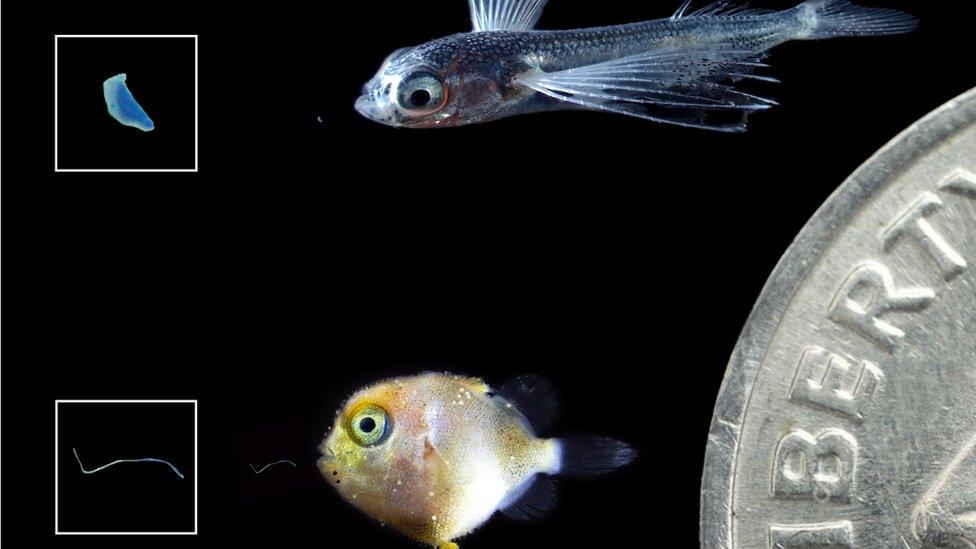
(692, 87)
(508, 15)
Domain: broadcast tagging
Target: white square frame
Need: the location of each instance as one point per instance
(196, 104)
(196, 474)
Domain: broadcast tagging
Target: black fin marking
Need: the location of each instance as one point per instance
(535, 397)
(592, 456)
(534, 499)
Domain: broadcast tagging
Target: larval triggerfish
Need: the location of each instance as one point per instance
(435, 455)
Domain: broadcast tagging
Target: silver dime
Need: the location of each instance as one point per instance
(848, 413)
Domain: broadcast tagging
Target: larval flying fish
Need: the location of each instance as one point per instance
(435, 455)
(684, 70)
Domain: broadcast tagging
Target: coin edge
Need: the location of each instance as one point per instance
(721, 453)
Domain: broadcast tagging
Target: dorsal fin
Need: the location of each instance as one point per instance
(681, 11)
(535, 397)
(505, 15)
(715, 9)
(532, 500)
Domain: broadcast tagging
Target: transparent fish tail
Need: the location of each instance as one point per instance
(823, 19)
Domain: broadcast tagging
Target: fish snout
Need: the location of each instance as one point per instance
(327, 462)
(369, 107)
(328, 454)
(374, 103)
(365, 104)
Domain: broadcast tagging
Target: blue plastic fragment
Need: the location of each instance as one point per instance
(123, 107)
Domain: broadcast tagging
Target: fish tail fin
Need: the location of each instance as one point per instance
(823, 19)
(591, 456)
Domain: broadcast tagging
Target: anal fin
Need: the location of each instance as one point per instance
(534, 499)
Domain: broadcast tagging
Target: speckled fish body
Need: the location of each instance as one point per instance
(445, 453)
(673, 70)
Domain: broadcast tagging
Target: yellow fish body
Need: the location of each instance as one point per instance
(435, 455)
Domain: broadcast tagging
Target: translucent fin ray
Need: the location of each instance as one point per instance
(837, 18)
(722, 8)
(505, 15)
(682, 86)
(682, 10)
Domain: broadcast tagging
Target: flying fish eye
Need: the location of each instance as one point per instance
(422, 93)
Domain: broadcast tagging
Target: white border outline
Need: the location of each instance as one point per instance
(196, 475)
(196, 103)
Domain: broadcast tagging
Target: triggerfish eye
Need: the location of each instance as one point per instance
(369, 424)
(422, 93)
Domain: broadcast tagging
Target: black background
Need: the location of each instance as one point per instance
(126, 497)
(160, 75)
(618, 257)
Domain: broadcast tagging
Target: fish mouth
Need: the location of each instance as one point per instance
(364, 105)
(328, 455)
(367, 107)
(327, 462)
